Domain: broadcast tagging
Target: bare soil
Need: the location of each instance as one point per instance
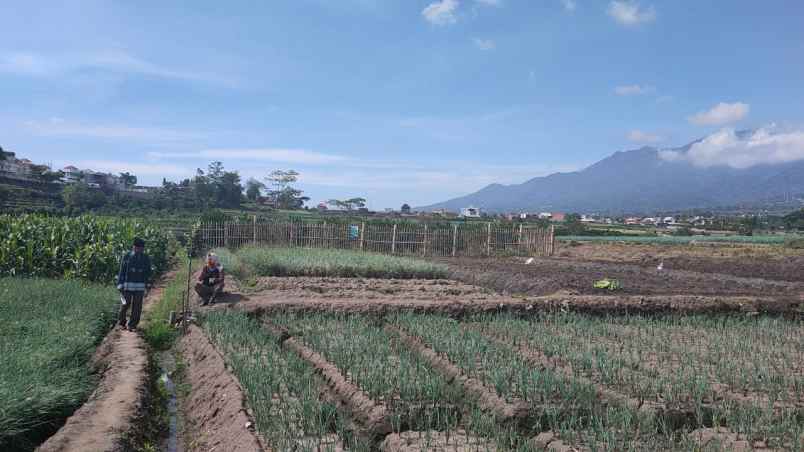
(215, 411)
(454, 441)
(380, 297)
(545, 276)
(751, 261)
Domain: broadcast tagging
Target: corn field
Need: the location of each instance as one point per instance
(85, 247)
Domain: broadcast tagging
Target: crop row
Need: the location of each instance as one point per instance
(85, 247)
(254, 261)
(48, 331)
(382, 358)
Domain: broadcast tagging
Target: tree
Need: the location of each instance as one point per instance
(79, 197)
(572, 221)
(748, 225)
(128, 179)
(285, 196)
(348, 204)
(405, 208)
(254, 188)
(794, 220)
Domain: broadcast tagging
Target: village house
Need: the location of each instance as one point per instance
(470, 212)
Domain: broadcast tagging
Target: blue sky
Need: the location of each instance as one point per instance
(394, 100)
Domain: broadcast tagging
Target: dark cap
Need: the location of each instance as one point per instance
(140, 243)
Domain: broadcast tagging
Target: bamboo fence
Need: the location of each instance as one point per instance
(455, 240)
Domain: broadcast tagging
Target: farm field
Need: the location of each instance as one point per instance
(251, 262)
(48, 332)
(767, 262)
(505, 383)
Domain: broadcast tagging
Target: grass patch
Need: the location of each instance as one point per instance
(253, 261)
(159, 334)
(48, 332)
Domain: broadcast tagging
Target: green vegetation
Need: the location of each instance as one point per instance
(85, 247)
(48, 333)
(678, 239)
(157, 331)
(628, 383)
(282, 390)
(418, 397)
(254, 261)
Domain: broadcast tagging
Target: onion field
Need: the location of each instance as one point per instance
(497, 382)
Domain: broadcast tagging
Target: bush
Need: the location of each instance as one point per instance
(796, 244)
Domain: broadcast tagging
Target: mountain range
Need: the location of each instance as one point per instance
(646, 180)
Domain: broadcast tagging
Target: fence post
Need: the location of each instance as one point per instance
(393, 240)
(225, 235)
(362, 234)
(424, 242)
(519, 240)
(552, 239)
(290, 229)
(488, 241)
(454, 240)
(255, 230)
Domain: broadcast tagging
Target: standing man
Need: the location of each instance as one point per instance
(134, 277)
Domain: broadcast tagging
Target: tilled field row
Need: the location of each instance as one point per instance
(268, 303)
(528, 418)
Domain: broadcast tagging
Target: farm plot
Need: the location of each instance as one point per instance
(48, 332)
(773, 262)
(548, 276)
(249, 262)
(745, 375)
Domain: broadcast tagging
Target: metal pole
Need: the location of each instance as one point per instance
(455, 240)
(393, 240)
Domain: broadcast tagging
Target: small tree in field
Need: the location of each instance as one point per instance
(405, 208)
(254, 189)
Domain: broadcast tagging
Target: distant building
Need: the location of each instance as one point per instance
(72, 175)
(558, 216)
(470, 212)
(545, 216)
(16, 168)
(631, 221)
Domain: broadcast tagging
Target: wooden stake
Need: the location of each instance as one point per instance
(455, 241)
(393, 240)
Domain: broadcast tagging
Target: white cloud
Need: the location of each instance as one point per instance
(638, 136)
(62, 127)
(298, 156)
(569, 5)
(490, 2)
(743, 150)
(484, 44)
(630, 12)
(720, 114)
(441, 12)
(633, 90)
(57, 65)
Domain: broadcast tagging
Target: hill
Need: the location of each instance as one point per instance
(643, 180)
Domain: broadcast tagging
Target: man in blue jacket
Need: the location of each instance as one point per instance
(133, 279)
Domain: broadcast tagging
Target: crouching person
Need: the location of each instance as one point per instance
(132, 280)
(210, 281)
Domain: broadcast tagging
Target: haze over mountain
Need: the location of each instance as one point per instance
(726, 168)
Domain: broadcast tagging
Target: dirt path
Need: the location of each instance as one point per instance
(113, 409)
(215, 411)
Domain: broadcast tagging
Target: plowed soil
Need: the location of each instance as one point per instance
(545, 276)
(456, 299)
(215, 410)
(749, 261)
